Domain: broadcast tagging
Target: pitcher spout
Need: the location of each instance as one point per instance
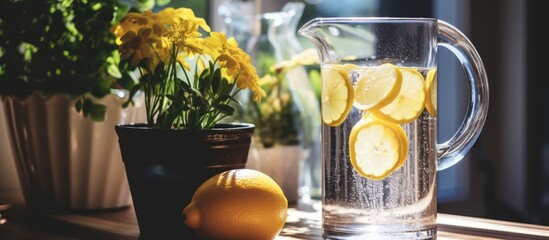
(339, 40)
(307, 30)
(313, 31)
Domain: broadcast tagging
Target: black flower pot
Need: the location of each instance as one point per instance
(165, 166)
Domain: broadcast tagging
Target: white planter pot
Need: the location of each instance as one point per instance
(10, 189)
(66, 161)
(281, 163)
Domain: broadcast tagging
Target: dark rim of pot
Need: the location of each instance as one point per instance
(218, 127)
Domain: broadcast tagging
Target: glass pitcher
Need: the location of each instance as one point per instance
(380, 153)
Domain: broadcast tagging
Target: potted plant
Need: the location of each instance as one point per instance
(62, 89)
(190, 77)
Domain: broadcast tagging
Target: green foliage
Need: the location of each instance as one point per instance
(61, 46)
(278, 116)
(195, 102)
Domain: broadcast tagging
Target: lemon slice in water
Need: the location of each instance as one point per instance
(347, 67)
(337, 95)
(431, 88)
(377, 86)
(410, 101)
(377, 148)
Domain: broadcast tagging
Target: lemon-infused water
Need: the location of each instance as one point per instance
(380, 154)
(366, 187)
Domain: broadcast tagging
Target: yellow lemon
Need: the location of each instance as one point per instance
(410, 101)
(376, 86)
(337, 95)
(431, 88)
(237, 204)
(377, 148)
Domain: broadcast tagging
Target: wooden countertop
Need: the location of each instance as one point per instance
(122, 225)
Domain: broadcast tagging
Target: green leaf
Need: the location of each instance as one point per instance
(97, 112)
(205, 74)
(234, 100)
(159, 72)
(196, 93)
(180, 101)
(168, 117)
(163, 120)
(78, 105)
(126, 81)
(143, 5)
(113, 70)
(180, 93)
(87, 106)
(133, 91)
(223, 98)
(182, 84)
(225, 109)
(216, 80)
(204, 82)
(223, 86)
(176, 100)
(192, 120)
(162, 2)
(101, 86)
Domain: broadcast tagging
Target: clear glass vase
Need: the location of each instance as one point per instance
(287, 137)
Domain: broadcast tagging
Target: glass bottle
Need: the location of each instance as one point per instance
(287, 135)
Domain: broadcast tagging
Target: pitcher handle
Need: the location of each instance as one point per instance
(453, 150)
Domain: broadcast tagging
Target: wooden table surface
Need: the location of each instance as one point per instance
(122, 225)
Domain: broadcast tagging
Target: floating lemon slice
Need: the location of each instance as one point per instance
(431, 87)
(347, 67)
(337, 95)
(404, 145)
(402, 137)
(377, 86)
(409, 102)
(377, 148)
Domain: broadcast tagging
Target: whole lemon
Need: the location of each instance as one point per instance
(237, 204)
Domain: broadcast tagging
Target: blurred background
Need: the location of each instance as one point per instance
(506, 174)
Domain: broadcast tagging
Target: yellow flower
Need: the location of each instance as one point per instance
(248, 78)
(229, 63)
(136, 46)
(236, 63)
(186, 37)
(162, 52)
(170, 15)
(130, 23)
(214, 43)
(175, 38)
